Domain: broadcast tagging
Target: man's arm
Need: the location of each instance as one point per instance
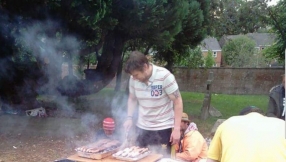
(178, 110)
(131, 105)
(271, 108)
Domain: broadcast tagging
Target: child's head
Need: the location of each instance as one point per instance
(108, 126)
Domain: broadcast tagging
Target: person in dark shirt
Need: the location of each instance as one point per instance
(275, 104)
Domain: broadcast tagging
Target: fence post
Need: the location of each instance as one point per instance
(207, 100)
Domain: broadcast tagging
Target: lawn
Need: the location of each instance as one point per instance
(228, 105)
(107, 102)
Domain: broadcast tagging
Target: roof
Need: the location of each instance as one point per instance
(260, 39)
(225, 38)
(210, 43)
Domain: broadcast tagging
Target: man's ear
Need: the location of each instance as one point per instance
(145, 67)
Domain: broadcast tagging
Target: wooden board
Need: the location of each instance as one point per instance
(150, 158)
(107, 150)
(96, 156)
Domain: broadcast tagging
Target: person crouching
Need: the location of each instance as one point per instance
(193, 147)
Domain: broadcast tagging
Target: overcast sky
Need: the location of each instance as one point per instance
(273, 2)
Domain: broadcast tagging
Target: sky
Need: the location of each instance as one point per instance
(273, 2)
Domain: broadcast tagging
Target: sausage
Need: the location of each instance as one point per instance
(101, 145)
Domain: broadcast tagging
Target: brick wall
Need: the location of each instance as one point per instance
(226, 80)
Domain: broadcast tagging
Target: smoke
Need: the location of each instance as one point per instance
(50, 47)
(47, 44)
(119, 106)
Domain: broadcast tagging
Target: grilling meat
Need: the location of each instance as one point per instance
(131, 152)
(101, 146)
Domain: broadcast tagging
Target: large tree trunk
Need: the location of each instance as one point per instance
(119, 74)
(109, 61)
(170, 61)
(97, 79)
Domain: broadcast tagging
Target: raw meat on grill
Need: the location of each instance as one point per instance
(131, 152)
(103, 145)
(137, 152)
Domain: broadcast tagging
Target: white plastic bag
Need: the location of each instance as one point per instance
(41, 112)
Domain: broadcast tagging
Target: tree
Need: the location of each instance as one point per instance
(193, 60)
(107, 25)
(230, 17)
(239, 52)
(252, 16)
(277, 19)
(21, 73)
(209, 60)
(147, 21)
(20, 19)
(194, 30)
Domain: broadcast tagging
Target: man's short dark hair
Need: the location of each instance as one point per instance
(250, 109)
(136, 61)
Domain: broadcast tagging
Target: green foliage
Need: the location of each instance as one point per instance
(252, 16)
(168, 27)
(277, 19)
(23, 55)
(193, 60)
(209, 60)
(239, 52)
(230, 17)
(259, 59)
(194, 30)
(87, 18)
(156, 22)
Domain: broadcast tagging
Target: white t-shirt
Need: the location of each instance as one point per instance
(155, 107)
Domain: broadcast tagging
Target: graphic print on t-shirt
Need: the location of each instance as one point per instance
(156, 90)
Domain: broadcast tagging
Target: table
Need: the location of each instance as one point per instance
(149, 158)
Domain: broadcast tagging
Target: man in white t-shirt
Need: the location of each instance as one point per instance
(155, 92)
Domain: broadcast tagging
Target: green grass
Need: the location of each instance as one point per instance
(228, 105)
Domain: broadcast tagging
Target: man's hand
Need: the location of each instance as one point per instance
(175, 137)
(128, 124)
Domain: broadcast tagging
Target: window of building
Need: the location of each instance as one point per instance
(214, 54)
